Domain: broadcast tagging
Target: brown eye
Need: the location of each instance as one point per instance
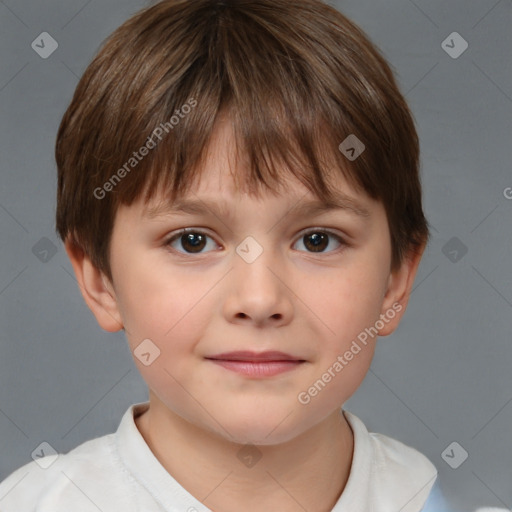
(191, 241)
(317, 241)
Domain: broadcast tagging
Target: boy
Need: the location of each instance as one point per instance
(238, 190)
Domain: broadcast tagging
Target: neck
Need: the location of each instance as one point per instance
(308, 472)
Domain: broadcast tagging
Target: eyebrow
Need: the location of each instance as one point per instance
(304, 209)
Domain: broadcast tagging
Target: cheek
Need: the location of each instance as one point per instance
(172, 314)
(171, 311)
(348, 301)
(348, 304)
(150, 302)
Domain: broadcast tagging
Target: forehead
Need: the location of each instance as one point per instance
(215, 188)
(221, 198)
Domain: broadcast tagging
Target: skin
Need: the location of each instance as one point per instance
(309, 304)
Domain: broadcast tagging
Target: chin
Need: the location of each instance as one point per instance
(265, 430)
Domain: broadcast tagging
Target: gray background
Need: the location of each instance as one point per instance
(443, 376)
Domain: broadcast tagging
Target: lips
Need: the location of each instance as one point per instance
(249, 356)
(257, 365)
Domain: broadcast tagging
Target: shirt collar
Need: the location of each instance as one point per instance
(146, 468)
(370, 483)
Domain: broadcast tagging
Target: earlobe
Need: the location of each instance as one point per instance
(97, 292)
(398, 291)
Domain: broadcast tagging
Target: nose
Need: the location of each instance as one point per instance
(259, 292)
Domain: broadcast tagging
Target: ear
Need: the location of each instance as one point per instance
(398, 290)
(96, 289)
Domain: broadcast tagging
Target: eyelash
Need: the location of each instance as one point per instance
(178, 234)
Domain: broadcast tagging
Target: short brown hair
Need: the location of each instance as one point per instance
(297, 78)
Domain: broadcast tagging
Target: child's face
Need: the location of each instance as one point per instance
(197, 297)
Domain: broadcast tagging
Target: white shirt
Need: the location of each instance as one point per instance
(119, 472)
